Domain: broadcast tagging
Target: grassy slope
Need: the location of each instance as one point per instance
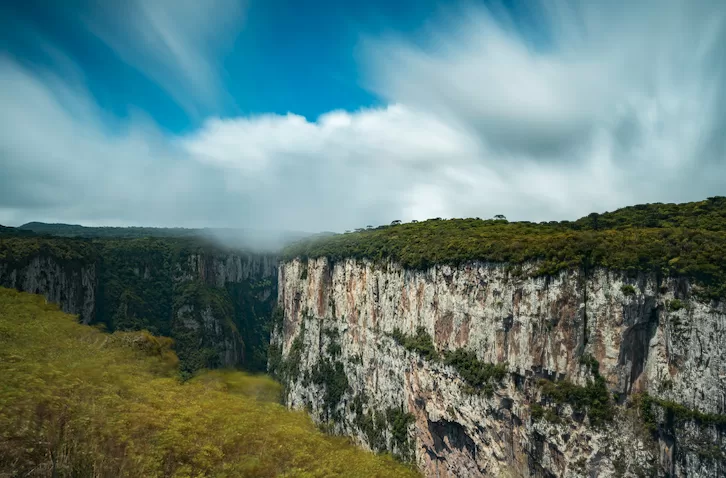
(675, 239)
(93, 404)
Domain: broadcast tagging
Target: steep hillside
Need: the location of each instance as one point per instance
(216, 302)
(78, 402)
(487, 348)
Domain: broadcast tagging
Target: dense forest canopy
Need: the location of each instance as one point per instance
(675, 239)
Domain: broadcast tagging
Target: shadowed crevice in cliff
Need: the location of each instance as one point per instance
(535, 457)
(450, 437)
(635, 344)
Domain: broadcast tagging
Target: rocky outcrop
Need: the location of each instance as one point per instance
(655, 345)
(70, 284)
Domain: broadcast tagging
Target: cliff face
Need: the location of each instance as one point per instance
(215, 303)
(71, 284)
(217, 270)
(348, 354)
(221, 306)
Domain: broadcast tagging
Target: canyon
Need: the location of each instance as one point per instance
(464, 347)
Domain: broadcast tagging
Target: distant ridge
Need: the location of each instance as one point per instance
(233, 237)
(14, 231)
(77, 230)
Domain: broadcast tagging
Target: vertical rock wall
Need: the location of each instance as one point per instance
(70, 284)
(341, 357)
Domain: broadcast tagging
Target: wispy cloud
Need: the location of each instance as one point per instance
(177, 43)
(611, 104)
(606, 66)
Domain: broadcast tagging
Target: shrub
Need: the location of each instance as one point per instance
(591, 363)
(537, 411)
(476, 373)
(400, 420)
(421, 343)
(594, 398)
(675, 305)
(291, 365)
(331, 376)
(678, 412)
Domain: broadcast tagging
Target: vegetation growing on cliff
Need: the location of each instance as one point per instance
(420, 343)
(374, 425)
(681, 240)
(331, 376)
(135, 284)
(675, 414)
(477, 374)
(400, 421)
(78, 402)
(148, 283)
(593, 398)
(628, 290)
(287, 369)
(370, 422)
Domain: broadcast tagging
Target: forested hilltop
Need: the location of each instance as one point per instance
(672, 239)
(214, 301)
(258, 239)
(75, 401)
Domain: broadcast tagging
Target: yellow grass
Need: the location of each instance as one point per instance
(80, 402)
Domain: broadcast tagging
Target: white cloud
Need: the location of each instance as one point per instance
(622, 110)
(599, 62)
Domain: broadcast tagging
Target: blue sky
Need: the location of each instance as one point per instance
(329, 115)
(288, 56)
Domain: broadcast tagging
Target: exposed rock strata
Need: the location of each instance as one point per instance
(648, 335)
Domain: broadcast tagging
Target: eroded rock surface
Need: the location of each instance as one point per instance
(647, 334)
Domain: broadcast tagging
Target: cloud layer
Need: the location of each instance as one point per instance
(588, 109)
